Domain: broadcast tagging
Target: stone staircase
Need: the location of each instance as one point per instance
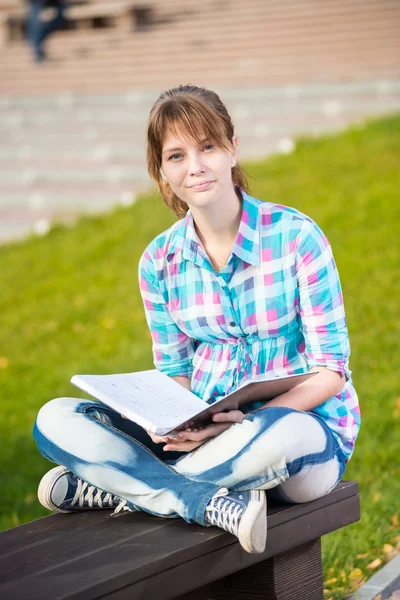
(225, 42)
(72, 131)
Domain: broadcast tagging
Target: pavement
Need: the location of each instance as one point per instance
(384, 585)
(64, 155)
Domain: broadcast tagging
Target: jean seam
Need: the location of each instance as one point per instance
(321, 461)
(201, 510)
(316, 461)
(278, 474)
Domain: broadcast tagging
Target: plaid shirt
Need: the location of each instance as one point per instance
(275, 308)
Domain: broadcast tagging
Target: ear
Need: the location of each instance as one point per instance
(235, 153)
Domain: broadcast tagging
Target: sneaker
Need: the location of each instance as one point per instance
(62, 491)
(242, 513)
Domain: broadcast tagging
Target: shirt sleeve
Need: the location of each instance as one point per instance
(321, 303)
(173, 350)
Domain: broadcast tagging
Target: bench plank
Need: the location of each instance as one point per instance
(47, 528)
(136, 555)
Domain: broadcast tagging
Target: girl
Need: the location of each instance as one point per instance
(237, 288)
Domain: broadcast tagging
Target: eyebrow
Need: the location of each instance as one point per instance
(168, 150)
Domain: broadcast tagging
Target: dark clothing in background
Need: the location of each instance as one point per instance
(38, 31)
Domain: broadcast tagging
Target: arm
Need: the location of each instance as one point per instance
(323, 323)
(173, 350)
(183, 381)
(313, 392)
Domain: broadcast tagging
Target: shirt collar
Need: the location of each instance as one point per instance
(247, 244)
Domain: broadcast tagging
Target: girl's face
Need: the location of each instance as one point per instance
(199, 174)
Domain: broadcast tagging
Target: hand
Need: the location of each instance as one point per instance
(190, 439)
(155, 438)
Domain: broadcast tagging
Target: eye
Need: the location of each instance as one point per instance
(208, 147)
(175, 157)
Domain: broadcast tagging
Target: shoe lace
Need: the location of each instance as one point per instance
(93, 496)
(225, 513)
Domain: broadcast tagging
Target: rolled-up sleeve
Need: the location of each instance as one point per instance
(173, 350)
(321, 302)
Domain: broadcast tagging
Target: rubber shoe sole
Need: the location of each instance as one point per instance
(45, 488)
(252, 533)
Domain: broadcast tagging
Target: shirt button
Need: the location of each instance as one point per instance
(232, 324)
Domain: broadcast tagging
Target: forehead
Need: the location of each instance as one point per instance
(180, 139)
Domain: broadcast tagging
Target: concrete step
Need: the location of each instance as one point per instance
(33, 176)
(69, 201)
(277, 78)
(255, 70)
(283, 67)
(112, 114)
(66, 45)
(38, 154)
(143, 99)
(354, 53)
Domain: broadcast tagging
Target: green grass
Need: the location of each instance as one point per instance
(70, 303)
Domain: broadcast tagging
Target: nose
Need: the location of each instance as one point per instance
(195, 164)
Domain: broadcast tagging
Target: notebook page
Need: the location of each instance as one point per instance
(152, 396)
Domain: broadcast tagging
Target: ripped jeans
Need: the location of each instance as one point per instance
(293, 452)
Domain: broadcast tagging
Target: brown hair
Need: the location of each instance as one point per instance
(193, 110)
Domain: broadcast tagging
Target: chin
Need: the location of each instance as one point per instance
(200, 196)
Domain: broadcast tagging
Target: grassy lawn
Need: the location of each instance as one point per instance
(70, 303)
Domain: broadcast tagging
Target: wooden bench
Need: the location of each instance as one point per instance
(124, 15)
(89, 555)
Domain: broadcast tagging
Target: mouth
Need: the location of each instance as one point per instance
(200, 187)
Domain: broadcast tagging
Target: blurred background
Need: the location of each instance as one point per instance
(73, 107)
(313, 87)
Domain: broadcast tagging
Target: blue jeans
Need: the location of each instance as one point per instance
(293, 452)
(39, 31)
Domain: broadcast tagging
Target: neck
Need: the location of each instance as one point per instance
(218, 225)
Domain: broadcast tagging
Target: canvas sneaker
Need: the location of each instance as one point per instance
(62, 491)
(242, 513)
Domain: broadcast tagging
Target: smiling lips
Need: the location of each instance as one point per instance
(200, 187)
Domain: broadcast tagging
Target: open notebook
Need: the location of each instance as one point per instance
(161, 405)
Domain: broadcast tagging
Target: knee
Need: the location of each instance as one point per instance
(55, 412)
(313, 482)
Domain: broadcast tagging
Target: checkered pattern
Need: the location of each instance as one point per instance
(276, 308)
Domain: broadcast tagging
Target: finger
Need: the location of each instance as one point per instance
(233, 416)
(182, 446)
(208, 432)
(189, 430)
(191, 436)
(215, 430)
(156, 438)
(187, 434)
